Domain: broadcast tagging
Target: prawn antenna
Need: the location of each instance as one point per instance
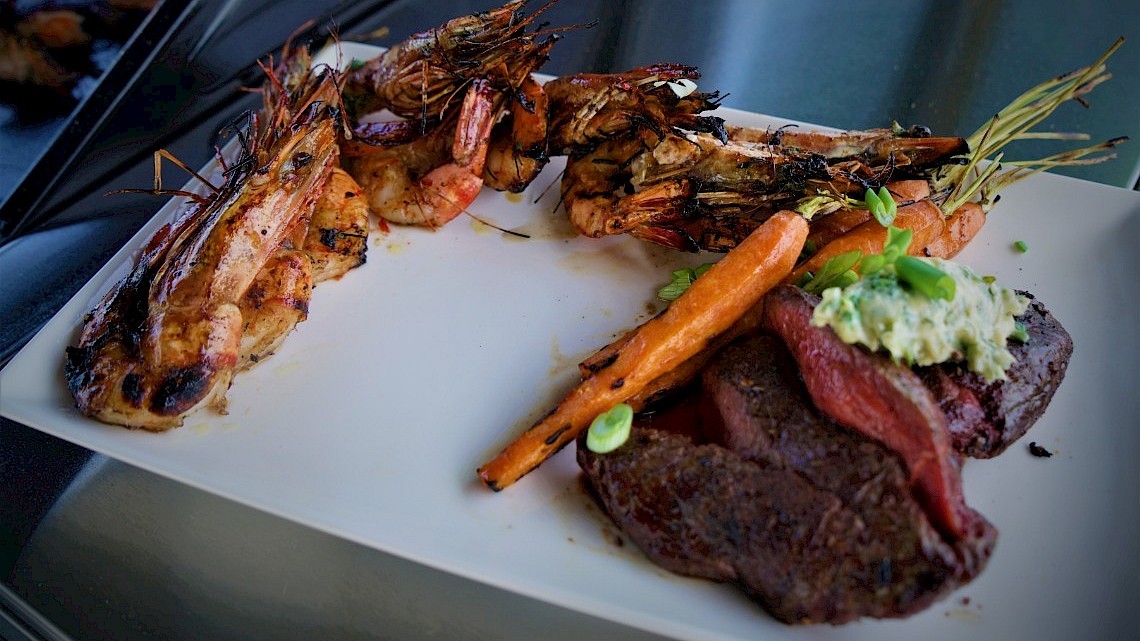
(159, 191)
(494, 226)
(557, 180)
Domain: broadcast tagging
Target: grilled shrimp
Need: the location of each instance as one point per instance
(518, 148)
(587, 109)
(912, 148)
(694, 192)
(428, 167)
(433, 178)
(420, 77)
(338, 231)
(169, 337)
(275, 302)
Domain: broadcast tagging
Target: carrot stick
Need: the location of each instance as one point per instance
(710, 306)
(960, 228)
(835, 224)
(909, 190)
(923, 218)
(605, 356)
(683, 373)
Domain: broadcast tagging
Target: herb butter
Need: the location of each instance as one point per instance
(881, 313)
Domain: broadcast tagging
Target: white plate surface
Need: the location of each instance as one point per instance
(411, 371)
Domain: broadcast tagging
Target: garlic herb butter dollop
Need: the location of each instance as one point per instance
(880, 312)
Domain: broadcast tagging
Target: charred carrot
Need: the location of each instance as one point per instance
(960, 228)
(828, 228)
(712, 304)
(923, 218)
(684, 373)
(835, 224)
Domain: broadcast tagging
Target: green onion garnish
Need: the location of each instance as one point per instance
(1020, 334)
(682, 278)
(836, 272)
(610, 429)
(1021, 246)
(847, 268)
(871, 264)
(881, 206)
(925, 277)
(808, 251)
(898, 242)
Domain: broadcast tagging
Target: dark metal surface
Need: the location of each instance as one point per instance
(103, 550)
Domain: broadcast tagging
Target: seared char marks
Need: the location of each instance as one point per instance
(181, 389)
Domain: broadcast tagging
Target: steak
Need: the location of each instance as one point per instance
(870, 393)
(985, 418)
(812, 520)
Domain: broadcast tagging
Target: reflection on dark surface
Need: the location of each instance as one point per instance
(946, 65)
(52, 53)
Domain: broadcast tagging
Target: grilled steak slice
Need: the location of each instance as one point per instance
(985, 418)
(814, 521)
(881, 399)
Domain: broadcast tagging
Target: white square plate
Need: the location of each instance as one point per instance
(412, 370)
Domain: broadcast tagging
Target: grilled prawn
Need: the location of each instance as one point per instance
(588, 109)
(451, 86)
(204, 298)
(693, 191)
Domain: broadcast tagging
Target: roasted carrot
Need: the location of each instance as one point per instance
(828, 228)
(605, 356)
(712, 304)
(923, 218)
(682, 374)
(960, 228)
(835, 224)
(905, 191)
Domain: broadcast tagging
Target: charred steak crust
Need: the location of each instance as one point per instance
(985, 418)
(812, 520)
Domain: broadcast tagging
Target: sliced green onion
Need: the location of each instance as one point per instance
(892, 208)
(1020, 334)
(898, 242)
(925, 277)
(876, 206)
(849, 277)
(881, 205)
(871, 264)
(610, 429)
(682, 278)
(1021, 246)
(355, 64)
(808, 250)
(836, 272)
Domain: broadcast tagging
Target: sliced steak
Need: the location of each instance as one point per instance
(881, 399)
(814, 521)
(985, 418)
